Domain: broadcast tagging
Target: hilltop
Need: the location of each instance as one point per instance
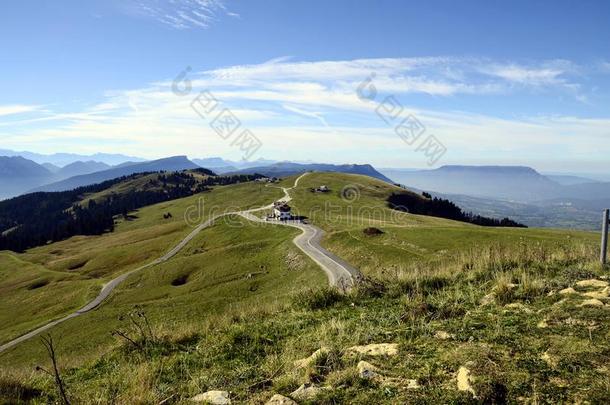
(283, 169)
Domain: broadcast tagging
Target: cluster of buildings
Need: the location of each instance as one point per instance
(281, 211)
(321, 189)
(267, 179)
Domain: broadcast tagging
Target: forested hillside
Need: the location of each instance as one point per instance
(39, 218)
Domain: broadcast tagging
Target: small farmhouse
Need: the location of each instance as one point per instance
(281, 210)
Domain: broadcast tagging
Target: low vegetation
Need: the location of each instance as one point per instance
(529, 342)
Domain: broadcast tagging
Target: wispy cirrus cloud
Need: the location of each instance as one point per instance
(438, 76)
(17, 109)
(550, 73)
(185, 14)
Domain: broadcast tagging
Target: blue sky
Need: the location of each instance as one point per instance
(496, 82)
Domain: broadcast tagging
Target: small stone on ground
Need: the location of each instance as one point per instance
(463, 380)
(307, 391)
(548, 359)
(592, 283)
(377, 349)
(593, 302)
(442, 335)
(278, 399)
(306, 362)
(413, 385)
(367, 371)
(213, 397)
(598, 294)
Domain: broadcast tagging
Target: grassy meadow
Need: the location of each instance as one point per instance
(357, 202)
(76, 269)
(237, 307)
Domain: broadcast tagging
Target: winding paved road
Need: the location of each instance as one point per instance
(340, 273)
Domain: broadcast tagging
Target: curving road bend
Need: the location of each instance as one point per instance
(340, 273)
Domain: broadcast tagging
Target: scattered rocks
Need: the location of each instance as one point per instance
(593, 302)
(442, 335)
(598, 294)
(367, 371)
(464, 381)
(278, 399)
(308, 361)
(377, 349)
(213, 397)
(307, 391)
(592, 283)
(543, 324)
(568, 290)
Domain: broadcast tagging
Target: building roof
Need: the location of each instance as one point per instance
(281, 206)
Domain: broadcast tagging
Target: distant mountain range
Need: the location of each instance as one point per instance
(221, 165)
(18, 175)
(512, 183)
(21, 175)
(518, 192)
(168, 164)
(63, 159)
(80, 168)
(515, 191)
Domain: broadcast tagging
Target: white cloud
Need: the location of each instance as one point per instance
(310, 110)
(17, 109)
(554, 74)
(184, 14)
(519, 74)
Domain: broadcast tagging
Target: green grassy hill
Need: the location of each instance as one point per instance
(241, 303)
(357, 202)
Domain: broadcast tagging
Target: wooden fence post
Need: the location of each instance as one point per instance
(604, 246)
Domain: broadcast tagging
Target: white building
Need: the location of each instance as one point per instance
(281, 211)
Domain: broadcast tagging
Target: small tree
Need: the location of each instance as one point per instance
(47, 342)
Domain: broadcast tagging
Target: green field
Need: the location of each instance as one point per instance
(407, 239)
(240, 303)
(77, 268)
